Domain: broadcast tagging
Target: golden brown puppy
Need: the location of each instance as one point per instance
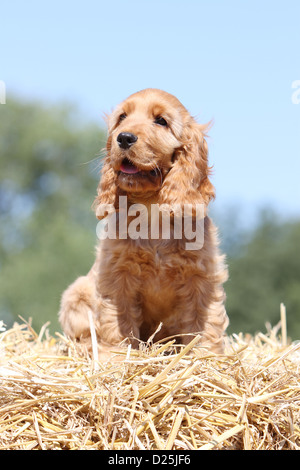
(156, 157)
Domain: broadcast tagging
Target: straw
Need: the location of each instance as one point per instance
(283, 324)
(53, 395)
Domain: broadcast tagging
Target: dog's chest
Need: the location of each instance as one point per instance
(161, 276)
(152, 272)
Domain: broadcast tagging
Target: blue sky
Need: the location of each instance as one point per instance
(232, 61)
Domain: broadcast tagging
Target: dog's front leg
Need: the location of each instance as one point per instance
(118, 327)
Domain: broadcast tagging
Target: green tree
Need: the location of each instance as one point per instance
(49, 168)
(263, 272)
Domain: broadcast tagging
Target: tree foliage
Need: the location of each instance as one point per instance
(49, 166)
(264, 272)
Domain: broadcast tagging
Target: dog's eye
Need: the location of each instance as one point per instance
(161, 121)
(122, 117)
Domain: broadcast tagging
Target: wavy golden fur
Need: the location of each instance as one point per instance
(156, 154)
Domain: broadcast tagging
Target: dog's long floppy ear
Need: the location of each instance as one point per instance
(107, 198)
(188, 179)
(107, 190)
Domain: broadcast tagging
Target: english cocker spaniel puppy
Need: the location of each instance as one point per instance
(148, 275)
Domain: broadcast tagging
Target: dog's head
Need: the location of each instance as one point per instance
(155, 151)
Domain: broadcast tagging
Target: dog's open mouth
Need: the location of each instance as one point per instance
(128, 168)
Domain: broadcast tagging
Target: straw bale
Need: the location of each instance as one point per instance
(54, 396)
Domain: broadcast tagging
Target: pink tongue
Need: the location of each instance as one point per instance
(128, 168)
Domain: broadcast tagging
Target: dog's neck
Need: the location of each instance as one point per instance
(146, 198)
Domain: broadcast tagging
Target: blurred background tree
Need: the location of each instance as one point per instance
(49, 170)
(264, 270)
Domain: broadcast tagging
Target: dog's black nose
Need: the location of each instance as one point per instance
(126, 140)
